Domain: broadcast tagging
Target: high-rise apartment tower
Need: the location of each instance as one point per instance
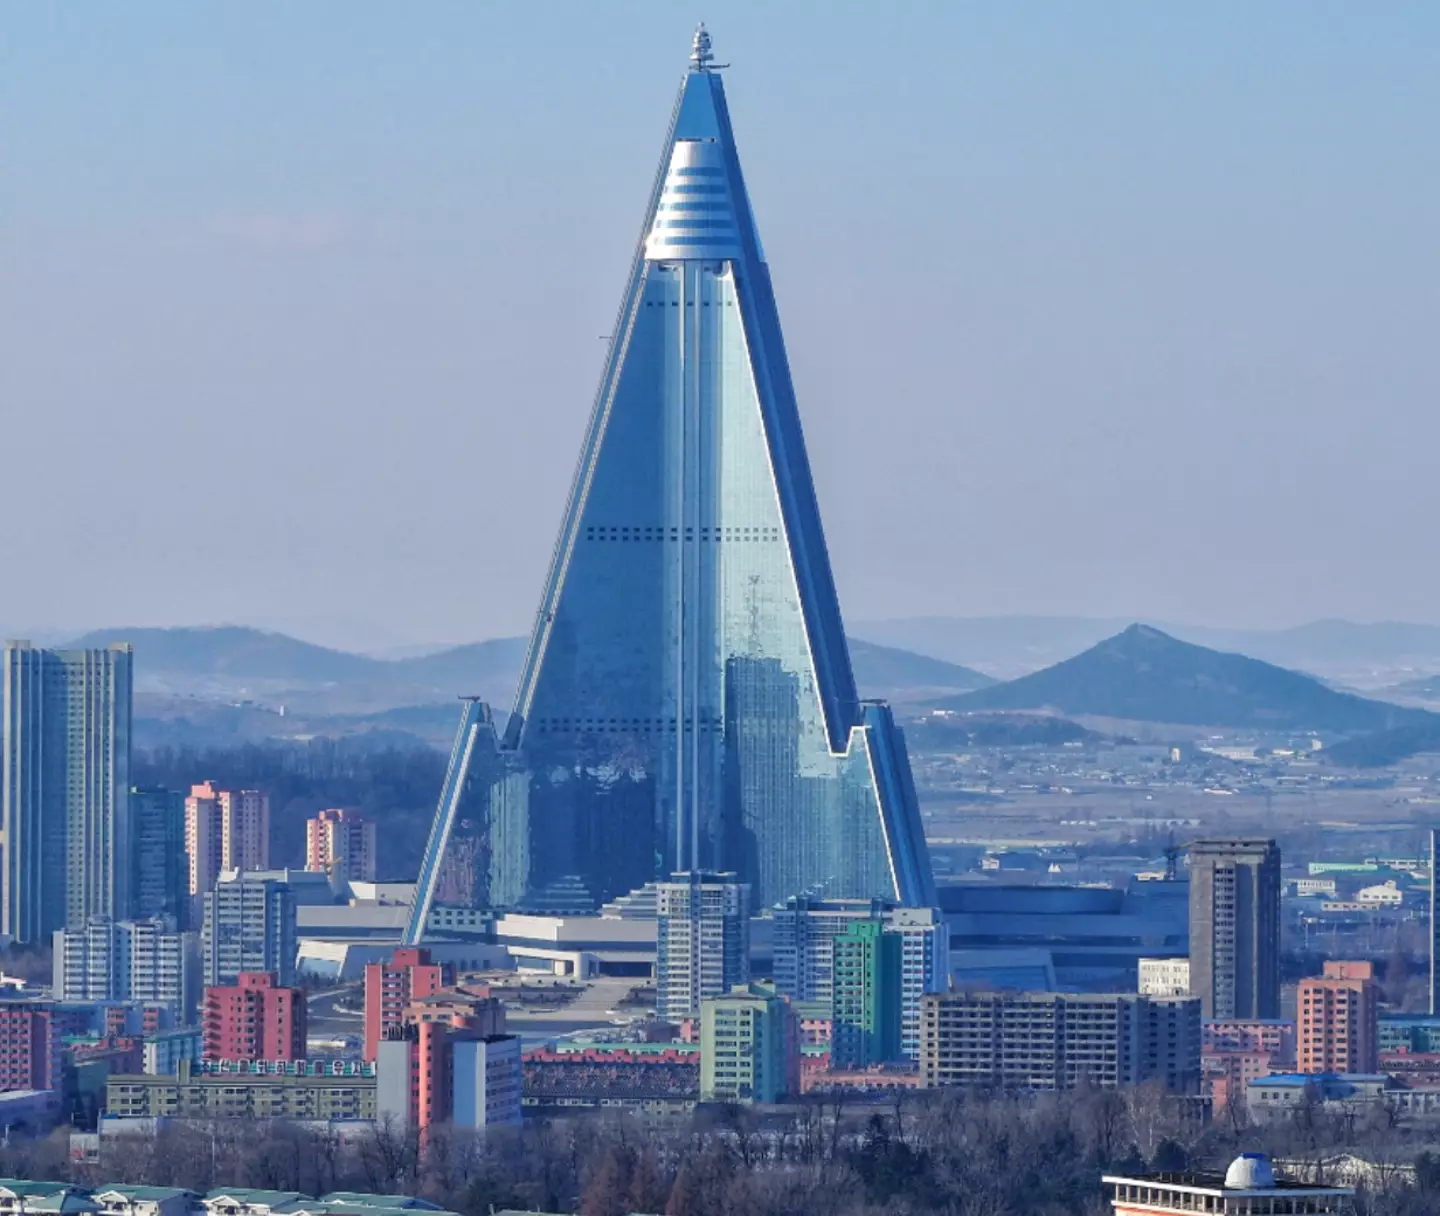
(225, 830)
(65, 773)
(249, 926)
(342, 844)
(702, 941)
(161, 880)
(1338, 1019)
(1235, 927)
(687, 701)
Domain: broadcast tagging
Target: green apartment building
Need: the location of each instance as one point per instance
(865, 1014)
(749, 1051)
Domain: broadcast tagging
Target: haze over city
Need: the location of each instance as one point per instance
(357, 860)
(1117, 311)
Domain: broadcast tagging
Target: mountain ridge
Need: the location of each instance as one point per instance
(1015, 645)
(237, 662)
(1144, 674)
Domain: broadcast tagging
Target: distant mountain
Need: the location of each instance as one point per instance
(1386, 747)
(233, 650)
(1145, 675)
(1014, 645)
(233, 663)
(1004, 646)
(888, 671)
(187, 675)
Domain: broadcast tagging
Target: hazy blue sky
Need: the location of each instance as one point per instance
(1121, 308)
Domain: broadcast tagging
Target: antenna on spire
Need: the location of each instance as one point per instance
(702, 58)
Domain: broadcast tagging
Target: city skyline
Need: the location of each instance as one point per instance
(345, 328)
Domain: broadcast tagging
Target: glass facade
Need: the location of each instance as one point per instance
(687, 702)
(65, 788)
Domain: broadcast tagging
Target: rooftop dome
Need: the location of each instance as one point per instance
(1250, 1172)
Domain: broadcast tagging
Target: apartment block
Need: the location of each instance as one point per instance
(341, 844)
(702, 940)
(1050, 1041)
(249, 925)
(311, 1091)
(1235, 927)
(135, 960)
(749, 1046)
(924, 966)
(865, 1007)
(391, 987)
(225, 830)
(30, 1045)
(805, 930)
(161, 883)
(64, 788)
(253, 1019)
(431, 1073)
(1338, 1020)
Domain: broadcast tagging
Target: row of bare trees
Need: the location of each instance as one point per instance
(960, 1153)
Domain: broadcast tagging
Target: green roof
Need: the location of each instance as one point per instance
(154, 1193)
(364, 1199)
(257, 1196)
(27, 1187)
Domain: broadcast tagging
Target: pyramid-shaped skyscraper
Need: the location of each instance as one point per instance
(687, 701)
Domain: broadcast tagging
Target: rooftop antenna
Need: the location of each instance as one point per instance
(702, 58)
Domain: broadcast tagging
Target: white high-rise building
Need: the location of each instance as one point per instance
(702, 940)
(249, 926)
(924, 966)
(127, 960)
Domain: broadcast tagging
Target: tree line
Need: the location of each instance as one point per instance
(948, 1152)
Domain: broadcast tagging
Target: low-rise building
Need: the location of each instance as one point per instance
(1281, 1094)
(21, 1197)
(654, 1078)
(323, 1090)
(125, 1199)
(1249, 1187)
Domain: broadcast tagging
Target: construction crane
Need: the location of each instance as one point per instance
(471, 715)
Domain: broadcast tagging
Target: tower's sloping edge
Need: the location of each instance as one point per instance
(590, 449)
(899, 807)
(801, 511)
